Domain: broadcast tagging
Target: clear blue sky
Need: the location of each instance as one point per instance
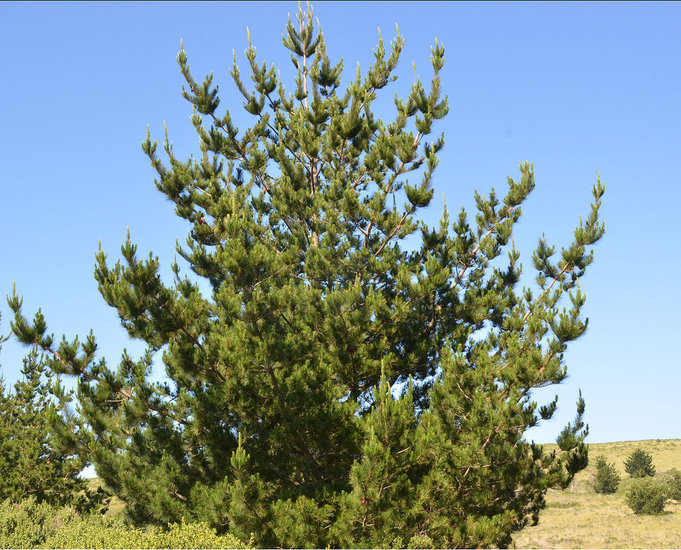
(573, 88)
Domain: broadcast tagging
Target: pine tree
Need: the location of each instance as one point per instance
(607, 479)
(639, 464)
(33, 464)
(334, 387)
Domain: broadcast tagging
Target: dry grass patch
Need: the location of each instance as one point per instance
(116, 505)
(580, 518)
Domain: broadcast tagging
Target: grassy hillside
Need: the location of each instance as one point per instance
(580, 518)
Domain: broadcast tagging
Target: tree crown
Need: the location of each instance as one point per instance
(282, 414)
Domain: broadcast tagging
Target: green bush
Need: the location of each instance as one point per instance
(97, 531)
(421, 541)
(28, 524)
(607, 479)
(673, 481)
(647, 497)
(192, 535)
(639, 464)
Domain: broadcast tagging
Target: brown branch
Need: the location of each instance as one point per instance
(313, 190)
(475, 251)
(366, 234)
(258, 175)
(304, 66)
(164, 413)
(458, 385)
(482, 448)
(543, 367)
(342, 153)
(471, 257)
(179, 496)
(183, 329)
(282, 403)
(397, 228)
(562, 271)
(417, 139)
(526, 316)
(253, 287)
(91, 376)
(289, 149)
(356, 182)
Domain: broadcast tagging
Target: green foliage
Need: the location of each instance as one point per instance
(27, 524)
(420, 541)
(639, 464)
(34, 463)
(647, 497)
(97, 531)
(192, 535)
(673, 482)
(333, 387)
(607, 479)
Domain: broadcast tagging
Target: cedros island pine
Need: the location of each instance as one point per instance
(333, 387)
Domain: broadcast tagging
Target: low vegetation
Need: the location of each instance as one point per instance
(30, 524)
(647, 497)
(673, 480)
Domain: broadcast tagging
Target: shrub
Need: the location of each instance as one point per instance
(97, 531)
(673, 479)
(607, 479)
(192, 535)
(420, 541)
(639, 464)
(27, 524)
(646, 497)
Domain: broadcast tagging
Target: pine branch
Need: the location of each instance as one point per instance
(474, 252)
(394, 231)
(125, 394)
(556, 278)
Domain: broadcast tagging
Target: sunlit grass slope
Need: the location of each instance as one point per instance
(580, 518)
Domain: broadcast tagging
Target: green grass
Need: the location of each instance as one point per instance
(580, 518)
